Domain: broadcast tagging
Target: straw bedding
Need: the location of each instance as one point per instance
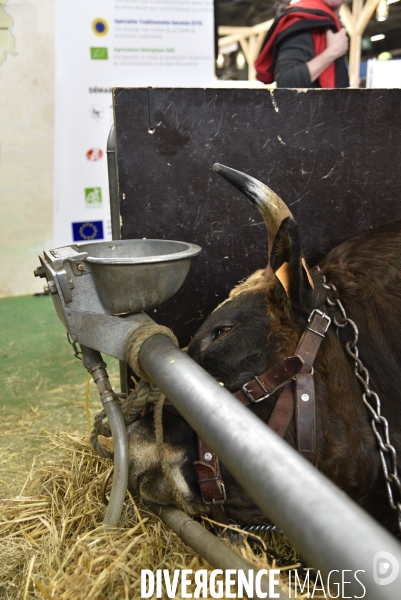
(54, 546)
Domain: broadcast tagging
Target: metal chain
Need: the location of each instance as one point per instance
(77, 352)
(281, 561)
(260, 528)
(379, 424)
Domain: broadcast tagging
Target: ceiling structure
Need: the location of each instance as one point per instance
(246, 13)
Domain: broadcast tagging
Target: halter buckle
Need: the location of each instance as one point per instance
(222, 490)
(249, 393)
(324, 316)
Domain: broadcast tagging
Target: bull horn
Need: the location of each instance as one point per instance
(270, 206)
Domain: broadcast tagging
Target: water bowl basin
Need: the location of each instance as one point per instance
(135, 275)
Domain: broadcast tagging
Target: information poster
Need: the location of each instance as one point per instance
(383, 73)
(102, 44)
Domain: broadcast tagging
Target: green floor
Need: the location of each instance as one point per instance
(35, 354)
(34, 351)
(42, 386)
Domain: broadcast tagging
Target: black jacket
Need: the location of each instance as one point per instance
(293, 54)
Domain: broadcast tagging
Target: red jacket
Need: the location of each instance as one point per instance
(312, 15)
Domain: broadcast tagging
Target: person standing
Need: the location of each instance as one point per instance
(305, 47)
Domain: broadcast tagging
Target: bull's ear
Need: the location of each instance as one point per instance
(289, 266)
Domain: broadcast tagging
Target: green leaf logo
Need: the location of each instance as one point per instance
(99, 54)
(93, 196)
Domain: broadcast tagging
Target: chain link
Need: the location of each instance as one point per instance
(77, 352)
(262, 528)
(380, 426)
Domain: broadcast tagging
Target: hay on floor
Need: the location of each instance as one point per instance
(54, 546)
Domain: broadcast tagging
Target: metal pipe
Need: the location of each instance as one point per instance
(115, 220)
(212, 548)
(334, 534)
(113, 185)
(92, 361)
(121, 464)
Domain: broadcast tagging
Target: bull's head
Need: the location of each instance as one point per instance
(255, 328)
(259, 323)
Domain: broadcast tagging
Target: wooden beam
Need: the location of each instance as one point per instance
(265, 26)
(355, 60)
(235, 34)
(233, 37)
(252, 57)
(347, 19)
(260, 38)
(227, 29)
(245, 50)
(250, 39)
(355, 46)
(365, 16)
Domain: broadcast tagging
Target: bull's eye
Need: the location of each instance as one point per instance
(219, 331)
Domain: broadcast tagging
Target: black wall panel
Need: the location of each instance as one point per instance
(334, 157)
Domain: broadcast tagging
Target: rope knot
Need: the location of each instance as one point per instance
(146, 393)
(137, 338)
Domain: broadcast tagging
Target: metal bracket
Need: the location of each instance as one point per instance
(66, 285)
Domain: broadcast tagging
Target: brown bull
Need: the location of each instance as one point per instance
(260, 325)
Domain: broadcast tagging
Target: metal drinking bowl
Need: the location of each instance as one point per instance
(135, 275)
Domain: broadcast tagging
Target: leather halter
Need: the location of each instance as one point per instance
(298, 367)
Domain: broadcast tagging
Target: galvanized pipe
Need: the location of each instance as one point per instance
(334, 534)
(212, 548)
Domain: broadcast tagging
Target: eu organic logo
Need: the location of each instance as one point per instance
(99, 54)
(93, 196)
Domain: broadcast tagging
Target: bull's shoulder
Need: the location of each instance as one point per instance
(366, 271)
(367, 254)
